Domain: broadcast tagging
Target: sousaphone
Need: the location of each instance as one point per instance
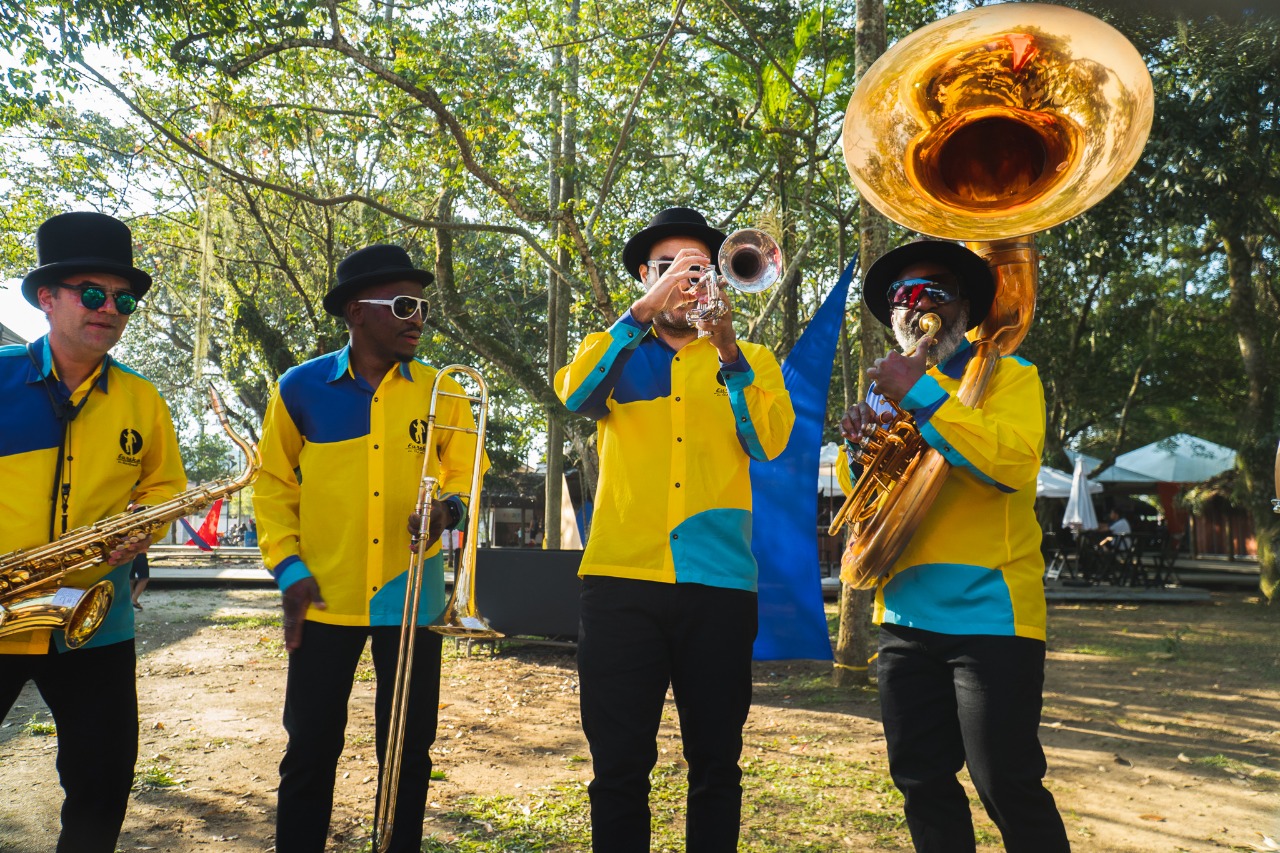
(986, 127)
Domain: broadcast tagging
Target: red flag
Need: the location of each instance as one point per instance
(206, 538)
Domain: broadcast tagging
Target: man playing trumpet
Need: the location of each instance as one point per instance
(962, 611)
(669, 581)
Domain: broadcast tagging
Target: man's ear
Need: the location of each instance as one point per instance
(45, 296)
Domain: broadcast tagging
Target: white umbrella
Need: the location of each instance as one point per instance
(1080, 513)
(1052, 483)
(1179, 458)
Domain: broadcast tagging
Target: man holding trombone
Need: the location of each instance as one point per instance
(342, 453)
(669, 581)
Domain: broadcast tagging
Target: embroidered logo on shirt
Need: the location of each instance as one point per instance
(131, 444)
(418, 431)
(418, 436)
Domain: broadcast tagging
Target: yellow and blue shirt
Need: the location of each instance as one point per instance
(676, 431)
(341, 466)
(974, 564)
(120, 448)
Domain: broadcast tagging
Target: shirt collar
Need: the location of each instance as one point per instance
(342, 366)
(40, 365)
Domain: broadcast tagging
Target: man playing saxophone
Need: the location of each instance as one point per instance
(342, 457)
(962, 611)
(81, 437)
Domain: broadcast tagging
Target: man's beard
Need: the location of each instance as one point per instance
(673, 324)
(949, 340)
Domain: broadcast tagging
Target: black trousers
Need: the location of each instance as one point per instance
(635, 638)
(321, 672)
(948, 700)
(93, 696)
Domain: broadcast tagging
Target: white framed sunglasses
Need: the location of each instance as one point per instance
(402, 307)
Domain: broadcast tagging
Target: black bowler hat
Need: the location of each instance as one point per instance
(672, 222)
(369, 266)
(81, 242)
(976, 282)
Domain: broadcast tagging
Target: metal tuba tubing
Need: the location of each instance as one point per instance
(460, 616)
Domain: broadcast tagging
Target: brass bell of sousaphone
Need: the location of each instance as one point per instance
(986, 126)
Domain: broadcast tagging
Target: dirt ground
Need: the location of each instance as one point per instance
(1162, 727)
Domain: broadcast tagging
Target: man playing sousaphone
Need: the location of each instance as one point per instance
(962, 610)
(81, 437)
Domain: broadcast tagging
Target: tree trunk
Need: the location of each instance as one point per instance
(853, 645)
(562, 190)
(1256, 437)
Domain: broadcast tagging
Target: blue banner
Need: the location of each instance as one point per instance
(784, 498)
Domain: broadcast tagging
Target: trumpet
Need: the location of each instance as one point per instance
(749, 261)
(461, 616)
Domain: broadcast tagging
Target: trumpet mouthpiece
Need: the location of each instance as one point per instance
(930, 324)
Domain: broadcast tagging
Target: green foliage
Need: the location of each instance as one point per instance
(291, 135)
(40, 728)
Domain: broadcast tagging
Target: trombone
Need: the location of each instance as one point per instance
(460, 618)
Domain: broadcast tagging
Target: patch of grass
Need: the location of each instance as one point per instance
(40, 728)
(1222, 762)
(438, 776)
(155, 776)
(557, 820)
(247, 622)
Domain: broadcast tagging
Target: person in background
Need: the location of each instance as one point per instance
(81, 438)
(1118, 532)
(669, 580)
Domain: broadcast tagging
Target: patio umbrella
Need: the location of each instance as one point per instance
(1179, 458)
(1052, 483)
(1080, 513)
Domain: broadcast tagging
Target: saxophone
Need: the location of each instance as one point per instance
(31, 592)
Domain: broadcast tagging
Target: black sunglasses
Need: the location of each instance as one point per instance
(94, 297)
(908, 292)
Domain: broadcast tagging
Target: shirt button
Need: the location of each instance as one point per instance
(744, 420)
(375, 542)
(375, 589)
(602, 370)
(375, 447)
(677, 358)
(375, 399)
(675, 535)
(677, 399)
(678, 438)
(677, 485)
(375, 494)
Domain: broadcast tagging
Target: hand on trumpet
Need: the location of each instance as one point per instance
(674, 287)
(298, 598)
(721, 333)
(896, 373)
(439, 518)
